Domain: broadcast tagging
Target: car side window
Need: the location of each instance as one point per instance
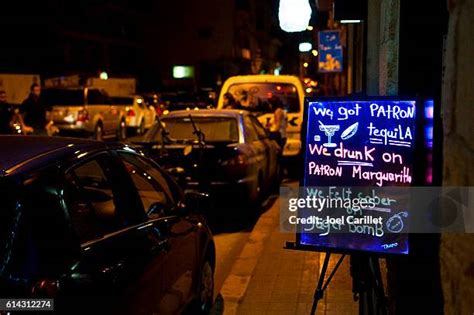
(262, 134)
(249, 130)
(96, 97)
(153, 188)
(91, 201)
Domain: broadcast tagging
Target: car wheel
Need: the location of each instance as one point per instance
(122, 131)
(277, 177)
(99, 132)
(141, 128)
(256, 196)
(206, 288)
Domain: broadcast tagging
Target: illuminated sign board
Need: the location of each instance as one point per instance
(182, 72)
(367, 145)
(330, 51)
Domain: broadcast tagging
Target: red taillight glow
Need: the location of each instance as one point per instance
(83, 116)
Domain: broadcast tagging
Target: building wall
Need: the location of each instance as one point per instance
(382, 47)
(388, 60)
(191, 33)
(457, 251)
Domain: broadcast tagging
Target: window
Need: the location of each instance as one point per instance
(152, 187)
(262, 134)
(122, 100)
(264, 97)
(250, 132)
(96, 97)
(215, 129)
(91, 201)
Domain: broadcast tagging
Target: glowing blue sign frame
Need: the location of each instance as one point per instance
(351, 130)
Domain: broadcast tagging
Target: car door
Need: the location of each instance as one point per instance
(178, 234)
(99, 102)
(271, 151)
(115, 241)
(258, 147)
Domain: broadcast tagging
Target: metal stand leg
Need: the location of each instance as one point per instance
(368, 285)
(321, 287)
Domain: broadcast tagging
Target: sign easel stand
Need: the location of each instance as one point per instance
(367, 284)
(321, 287)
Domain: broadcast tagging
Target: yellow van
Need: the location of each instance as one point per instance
(253, 93)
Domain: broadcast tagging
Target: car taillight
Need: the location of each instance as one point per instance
(45, 288)
(236, 160)
(83, 116)
(131, 113)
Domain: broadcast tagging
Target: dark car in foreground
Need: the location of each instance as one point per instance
(221, 152)
(101, 229)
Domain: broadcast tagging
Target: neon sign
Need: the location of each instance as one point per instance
(367, 143)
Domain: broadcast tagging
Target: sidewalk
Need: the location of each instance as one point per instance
(283, 281)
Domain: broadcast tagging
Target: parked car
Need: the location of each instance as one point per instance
(255, 93)
(228, 153)
(86, 112)
(139, 115)
(182, 100)
(100, 229)
(153, 99)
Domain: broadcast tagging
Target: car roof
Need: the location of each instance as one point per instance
(27, 152)
(235, 113)
(260, 78)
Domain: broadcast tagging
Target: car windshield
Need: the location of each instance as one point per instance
(8, 217)
(53, 97)
(263, 97)
(122, 100)
(181, 100)
(215, 129)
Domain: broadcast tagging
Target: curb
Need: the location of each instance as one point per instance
(236, 283)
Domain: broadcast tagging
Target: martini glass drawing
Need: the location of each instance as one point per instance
(329, 130)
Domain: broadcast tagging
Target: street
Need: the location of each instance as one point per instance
(231, 233)
(228, 247)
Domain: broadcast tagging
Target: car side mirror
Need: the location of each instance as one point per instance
(197, 202)
(155, 211)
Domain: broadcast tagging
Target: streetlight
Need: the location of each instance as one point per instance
(305, 47)
(294, 15)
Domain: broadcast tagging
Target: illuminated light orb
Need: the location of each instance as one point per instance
(305, 47)
(103, 75)
(294, 15)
